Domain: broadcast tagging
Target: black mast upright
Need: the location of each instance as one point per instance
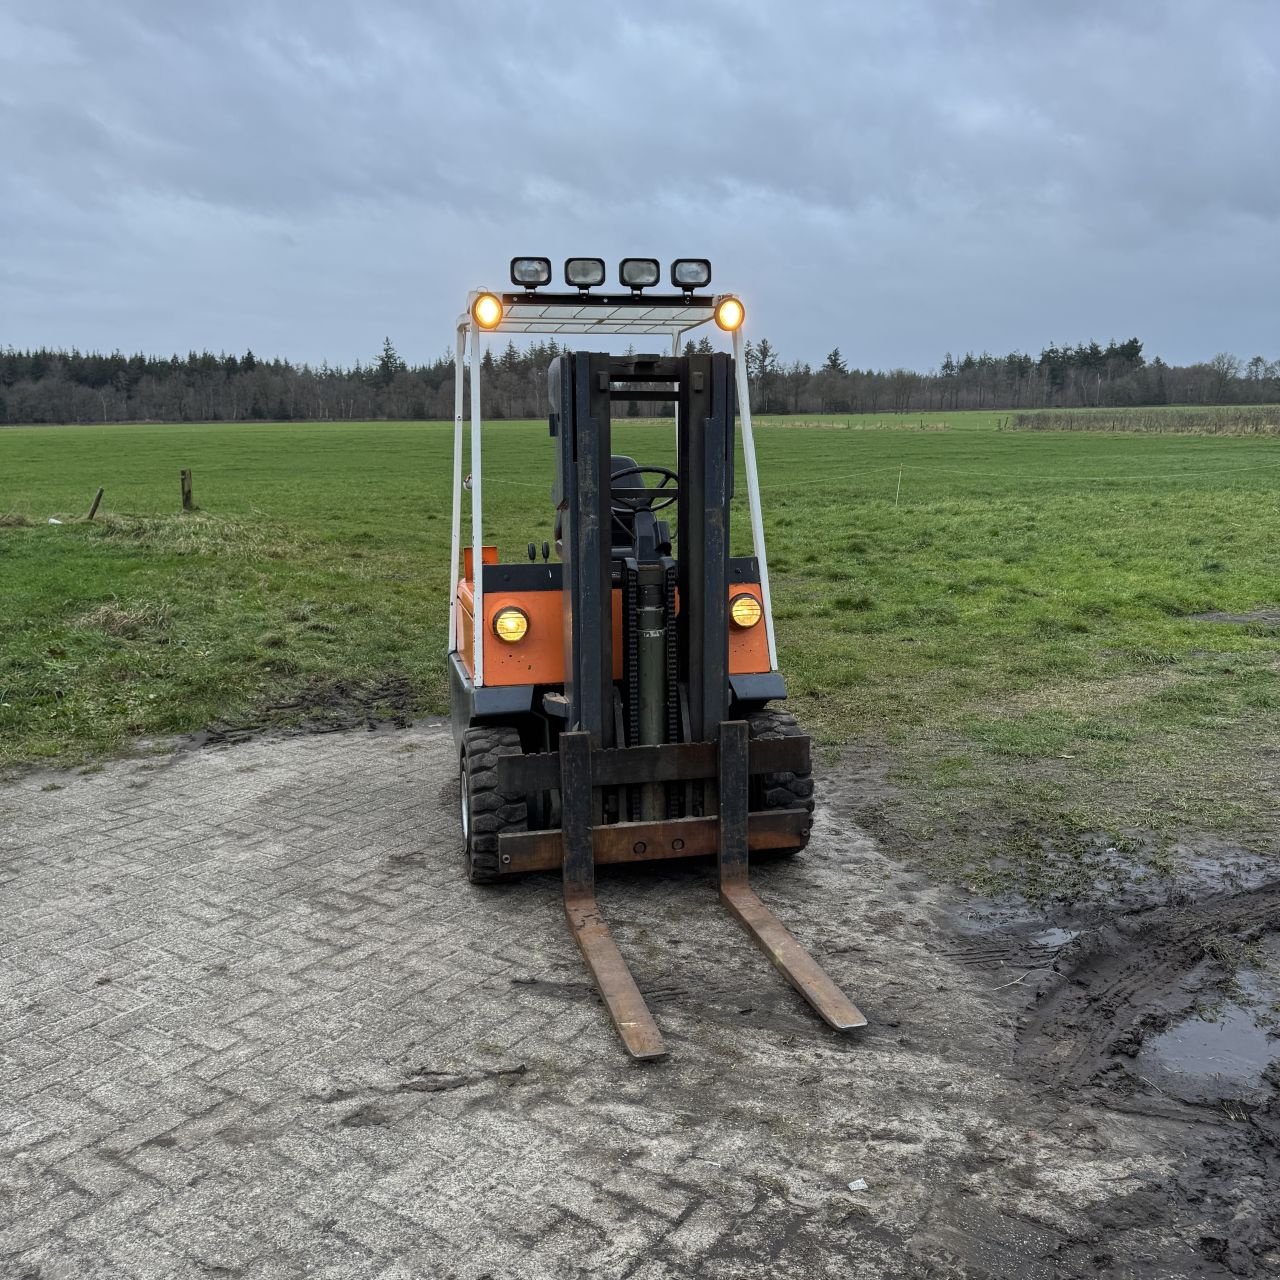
(579, 384)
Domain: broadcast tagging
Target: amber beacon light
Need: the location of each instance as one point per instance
(730, 314)
(486, 310)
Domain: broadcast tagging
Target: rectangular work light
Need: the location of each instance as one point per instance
(639, 273)
(691, 273)
(532, 273)
(584, 273)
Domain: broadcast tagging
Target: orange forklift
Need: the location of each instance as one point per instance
(615, 704)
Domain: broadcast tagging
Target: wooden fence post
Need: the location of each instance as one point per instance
(93, 510)
(188, 503)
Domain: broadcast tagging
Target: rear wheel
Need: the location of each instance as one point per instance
(779, 790)
(485, 810)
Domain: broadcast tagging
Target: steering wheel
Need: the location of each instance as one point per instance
(664, 496)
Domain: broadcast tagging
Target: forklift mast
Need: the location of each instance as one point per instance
(584, 386)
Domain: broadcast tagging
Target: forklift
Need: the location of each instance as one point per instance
(614, 705)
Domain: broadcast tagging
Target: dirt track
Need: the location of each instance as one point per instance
(257, 1025)
(1089, 1037)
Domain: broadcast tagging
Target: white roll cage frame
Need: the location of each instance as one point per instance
(592, 316)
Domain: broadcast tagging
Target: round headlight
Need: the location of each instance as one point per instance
(745, 610)
(730, 314)
(486, 311)
(510, 624)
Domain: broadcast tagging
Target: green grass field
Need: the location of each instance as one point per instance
(999, 621)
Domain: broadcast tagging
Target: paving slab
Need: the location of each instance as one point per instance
(256, 1023)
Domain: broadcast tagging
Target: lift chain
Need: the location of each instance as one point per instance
(631, 666)
(675, 792)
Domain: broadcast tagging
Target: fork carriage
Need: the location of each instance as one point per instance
(615, 705)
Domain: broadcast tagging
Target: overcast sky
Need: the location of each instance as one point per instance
(896, 179)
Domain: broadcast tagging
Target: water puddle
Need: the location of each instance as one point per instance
(1222, 1052)
(1055, 938)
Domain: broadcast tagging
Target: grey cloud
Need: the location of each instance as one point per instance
(895, 179)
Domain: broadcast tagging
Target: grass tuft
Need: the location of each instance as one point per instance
(199, 534)
(141, 622)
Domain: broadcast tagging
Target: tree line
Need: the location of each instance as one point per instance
(52, 386)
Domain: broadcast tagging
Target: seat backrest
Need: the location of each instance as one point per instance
(632, 486)
(624, 517)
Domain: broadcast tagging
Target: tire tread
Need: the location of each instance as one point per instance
(493, 811)
(784, 790)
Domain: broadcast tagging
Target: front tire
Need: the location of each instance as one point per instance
(779, 790)
(485, 810)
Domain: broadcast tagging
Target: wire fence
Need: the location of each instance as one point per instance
(767, 484)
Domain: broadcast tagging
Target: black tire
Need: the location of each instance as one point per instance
(486, 811)
(779, 790)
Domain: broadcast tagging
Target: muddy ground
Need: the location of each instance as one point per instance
(1149, 996)
(320, 706)
(1152, 995)
(1157, 1022)
(390, 1072)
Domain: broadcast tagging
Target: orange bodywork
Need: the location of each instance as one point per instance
(539, 657)
(748, 646)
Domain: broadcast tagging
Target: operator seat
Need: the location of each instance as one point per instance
(634, 489)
